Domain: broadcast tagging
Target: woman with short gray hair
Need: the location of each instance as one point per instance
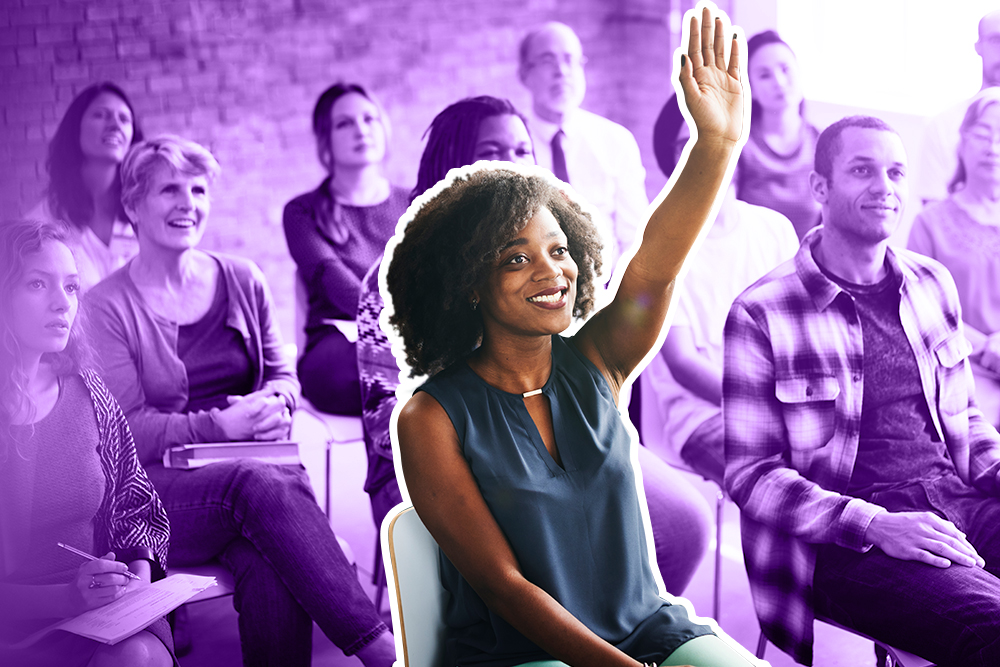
(191, 350)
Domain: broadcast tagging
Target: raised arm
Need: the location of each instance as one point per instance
(618, 337)
(448, 500)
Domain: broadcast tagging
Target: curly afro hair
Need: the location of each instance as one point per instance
(451, 247)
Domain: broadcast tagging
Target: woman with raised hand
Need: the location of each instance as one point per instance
(963, 233)
(778, 156)
(334, 233)
(68, 470)
(489, 128)
(84, 190)
(514, 452)
(189, 347)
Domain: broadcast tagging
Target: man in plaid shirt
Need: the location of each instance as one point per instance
(866, 475)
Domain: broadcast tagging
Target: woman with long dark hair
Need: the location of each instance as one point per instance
(68, 469)
(334, 233)
(514, 453)
(84, 190)
(778, 156)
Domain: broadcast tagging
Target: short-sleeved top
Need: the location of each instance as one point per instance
(970, 250)
(577, 530)
(780, 182)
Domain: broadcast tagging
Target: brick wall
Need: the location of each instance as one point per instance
(241, 77)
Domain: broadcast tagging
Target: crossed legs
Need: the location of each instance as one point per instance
(263, 523)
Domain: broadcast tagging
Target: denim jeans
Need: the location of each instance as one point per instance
(951, 615)
(262, 522)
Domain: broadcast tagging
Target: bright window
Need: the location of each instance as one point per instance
(911, 56)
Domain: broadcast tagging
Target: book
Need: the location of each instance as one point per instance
(130, 613)
(281, 452)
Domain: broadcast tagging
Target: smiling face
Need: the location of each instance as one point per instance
(864, 197)
(357, 135)
(532, 288)
(44, 300)
(553, 71)
(173, 212)
(979, 149)
(106, 128)
(774, 78)
(504, 138)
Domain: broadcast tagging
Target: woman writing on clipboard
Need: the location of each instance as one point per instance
(68, 470)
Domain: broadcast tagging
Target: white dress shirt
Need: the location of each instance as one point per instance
(604, 167)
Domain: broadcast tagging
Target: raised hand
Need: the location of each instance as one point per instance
(712, 91)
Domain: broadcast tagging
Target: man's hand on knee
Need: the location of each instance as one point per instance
(922, 536)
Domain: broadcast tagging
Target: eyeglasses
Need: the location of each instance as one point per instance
(552, 61)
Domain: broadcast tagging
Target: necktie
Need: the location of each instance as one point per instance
(558, 157)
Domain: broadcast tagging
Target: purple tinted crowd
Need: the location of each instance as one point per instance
(845, 393)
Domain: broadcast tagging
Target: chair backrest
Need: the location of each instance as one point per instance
(420, 599)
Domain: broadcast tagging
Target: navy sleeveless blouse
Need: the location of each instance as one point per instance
(576, 530)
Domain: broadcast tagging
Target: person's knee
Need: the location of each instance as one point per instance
(139, 650)
(258, 482)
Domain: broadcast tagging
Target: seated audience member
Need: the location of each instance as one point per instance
(476, 128)
(334, 233)
(683, 394)
(191, 351)
(84, 190)
(866, 476)
(963, 233)
(514, 452)
(597, 156)
(938, 156)
(489, 128)
(778, 156)
(68, 470)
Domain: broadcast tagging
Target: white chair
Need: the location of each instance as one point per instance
(419, 598)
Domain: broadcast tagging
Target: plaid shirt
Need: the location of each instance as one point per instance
(792, 389)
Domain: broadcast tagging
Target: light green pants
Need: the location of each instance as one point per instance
(703, 651)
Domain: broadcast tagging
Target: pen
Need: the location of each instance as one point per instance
(67, 547)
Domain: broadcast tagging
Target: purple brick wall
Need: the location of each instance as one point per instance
(241, 77)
